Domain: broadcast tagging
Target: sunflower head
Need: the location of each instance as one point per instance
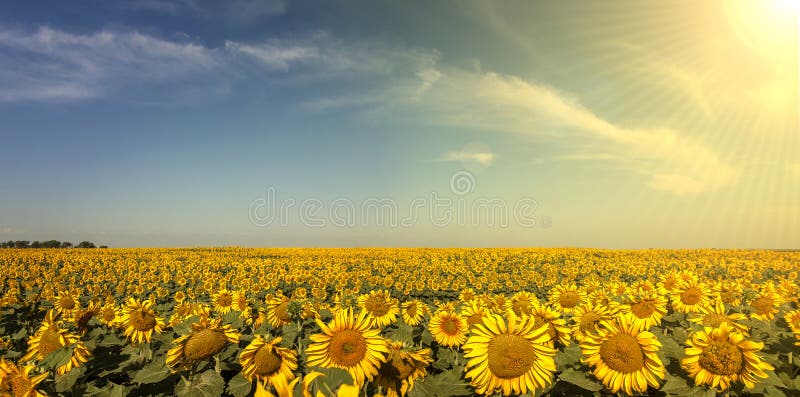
(413, 311)
(511, 355)
(448, 328)
(380, 306)
(348, 342)
(721, 356)
(206, 339)
(16, 381)
(403, 365)
(51, 337)
(623, 356)
(139, 321)
(266, 360)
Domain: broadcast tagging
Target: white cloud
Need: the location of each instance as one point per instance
(274, 54)
(483, 158)
(51, 64)
(502, 103)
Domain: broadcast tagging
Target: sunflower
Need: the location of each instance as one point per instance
(413, 311)
(207, 338)
(66, 302)
(729, 292)
(139, 322)
(567, 297)
(721, 356)
(587, 318)
(403, 365)
(380, 306)
(668, 283)
(181, 312)
(715, 315)
(223, 301)
(240, 301)
(51, 337)
(448, 328)
(556, 326)
(81, 317)
(522, 303)
(765, 305)
(690, 296)
(647, 310)
(266, 360)
(278, 312)
(474, 312)
(466, 295)
(793, 320)
(16, 381)
(623, 356)
(348, 342)
(510, 355)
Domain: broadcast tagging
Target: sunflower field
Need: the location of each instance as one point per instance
(408, 322)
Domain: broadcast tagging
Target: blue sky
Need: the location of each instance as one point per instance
(627, 124)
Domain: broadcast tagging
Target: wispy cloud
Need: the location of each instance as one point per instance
(672, 162)
(483, 158)
(51, 64)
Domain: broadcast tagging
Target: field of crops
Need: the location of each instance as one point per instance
(417, 322)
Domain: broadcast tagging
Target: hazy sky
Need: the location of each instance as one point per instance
(607, 124)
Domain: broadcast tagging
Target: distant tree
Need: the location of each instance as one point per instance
(51, 244)
(36, 244)
(103, 246)
(86, 244)
(22, 244)
(9, 244)
(66, 244)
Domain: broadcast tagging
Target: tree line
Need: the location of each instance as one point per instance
(47, 244)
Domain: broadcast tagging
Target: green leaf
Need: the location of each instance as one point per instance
(239, 386)
(154, 372)
(206, 384)
(772, 391)
(58, 358)
(580, 379)
(20, 334)
(404, 333)
(675, 386)
(65, 382)
(334, 377)
(670, 347)
(445, 384)
(289, 333)
(570, 357)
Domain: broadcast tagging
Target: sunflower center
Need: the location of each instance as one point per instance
(49, 342)
(622, 353)
(727, 297)
(109, 314)
(377, 305)
(714, 320)
(225, 300)
(142, 320)
(20, 385)
(670, 283)
(510, 356)
(450, 326)
(66, 302)
(204, 344)
(475, 318)
(397, 367)
(691, 296)
(722, 358)
(521, 307)
(589, 322)
(763, 305)
(411, 309)
(643, 309)
(568, 299)
(267, 361)
(347, 348)
(282, 312)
